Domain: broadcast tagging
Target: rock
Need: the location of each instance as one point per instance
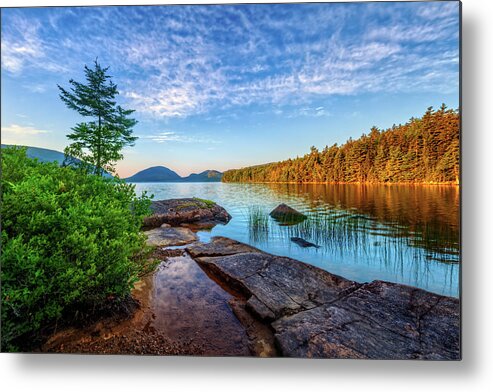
(287, 215)
(171, 236)
(303, 243)
(314, 313)
(165, 226)
(380, 320)
(277, 286)
(190, 210)
(220, 246)
(165, 253)
(260, 335)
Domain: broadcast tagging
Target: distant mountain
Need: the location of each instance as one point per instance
(155, 174)
(42, 154)
(163, 174)
(205, 176)
(46, 155)
(151, 174)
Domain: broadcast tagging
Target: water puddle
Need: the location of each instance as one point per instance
(187, 306)
(182, 311)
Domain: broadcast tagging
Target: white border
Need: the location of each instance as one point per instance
(474, 373)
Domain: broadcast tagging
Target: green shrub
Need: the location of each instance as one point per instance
(70, 240)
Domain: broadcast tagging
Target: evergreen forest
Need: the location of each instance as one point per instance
(425, 150)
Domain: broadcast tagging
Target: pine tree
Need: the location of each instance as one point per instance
(98, 142)
(424, 150)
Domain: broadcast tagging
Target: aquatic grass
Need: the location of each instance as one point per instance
(390, 244)
(258, 224)
(411, 233)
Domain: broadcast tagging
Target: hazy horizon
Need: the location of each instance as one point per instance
(228, 86)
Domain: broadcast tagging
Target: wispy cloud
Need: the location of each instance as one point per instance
(304, 111)
(23, 46)
(419, 34)
(187, 60)
(439, 10)
(171, 136)
(19, 130)
(36, 87)
(20, 45)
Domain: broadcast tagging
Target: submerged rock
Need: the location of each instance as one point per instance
(170, 236)
(286, 215)
(303, 243)
(186, 211)
(318, 314)
(199, 225)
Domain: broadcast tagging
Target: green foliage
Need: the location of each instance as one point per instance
(69, 241)
(208, 203)
(98, 142)
(425, 150)
(197, 203)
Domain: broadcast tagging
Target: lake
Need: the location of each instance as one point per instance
(399, 233)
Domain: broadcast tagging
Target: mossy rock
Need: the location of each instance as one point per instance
(176, 212)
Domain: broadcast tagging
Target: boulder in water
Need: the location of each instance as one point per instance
(287, 215)
(193, 211)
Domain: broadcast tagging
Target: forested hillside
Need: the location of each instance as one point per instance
(424, 150)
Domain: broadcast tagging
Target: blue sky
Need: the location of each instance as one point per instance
(219, 87)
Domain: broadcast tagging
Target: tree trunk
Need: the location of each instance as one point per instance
(98, 151)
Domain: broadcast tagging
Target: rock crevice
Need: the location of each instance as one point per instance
(314, 313)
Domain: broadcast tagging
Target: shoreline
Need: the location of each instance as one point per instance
(348, 183)
(227, 298)
(283, 307)
(451, 183)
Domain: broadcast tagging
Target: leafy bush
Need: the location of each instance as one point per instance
(70, 240)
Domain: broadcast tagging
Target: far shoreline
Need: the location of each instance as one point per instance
(302, 183)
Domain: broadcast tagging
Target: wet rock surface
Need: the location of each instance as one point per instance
(170, 236)
(317, 314)
(277, 285)
(186, 211)
(220, 246)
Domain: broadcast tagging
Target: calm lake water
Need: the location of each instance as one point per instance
(398, 233)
